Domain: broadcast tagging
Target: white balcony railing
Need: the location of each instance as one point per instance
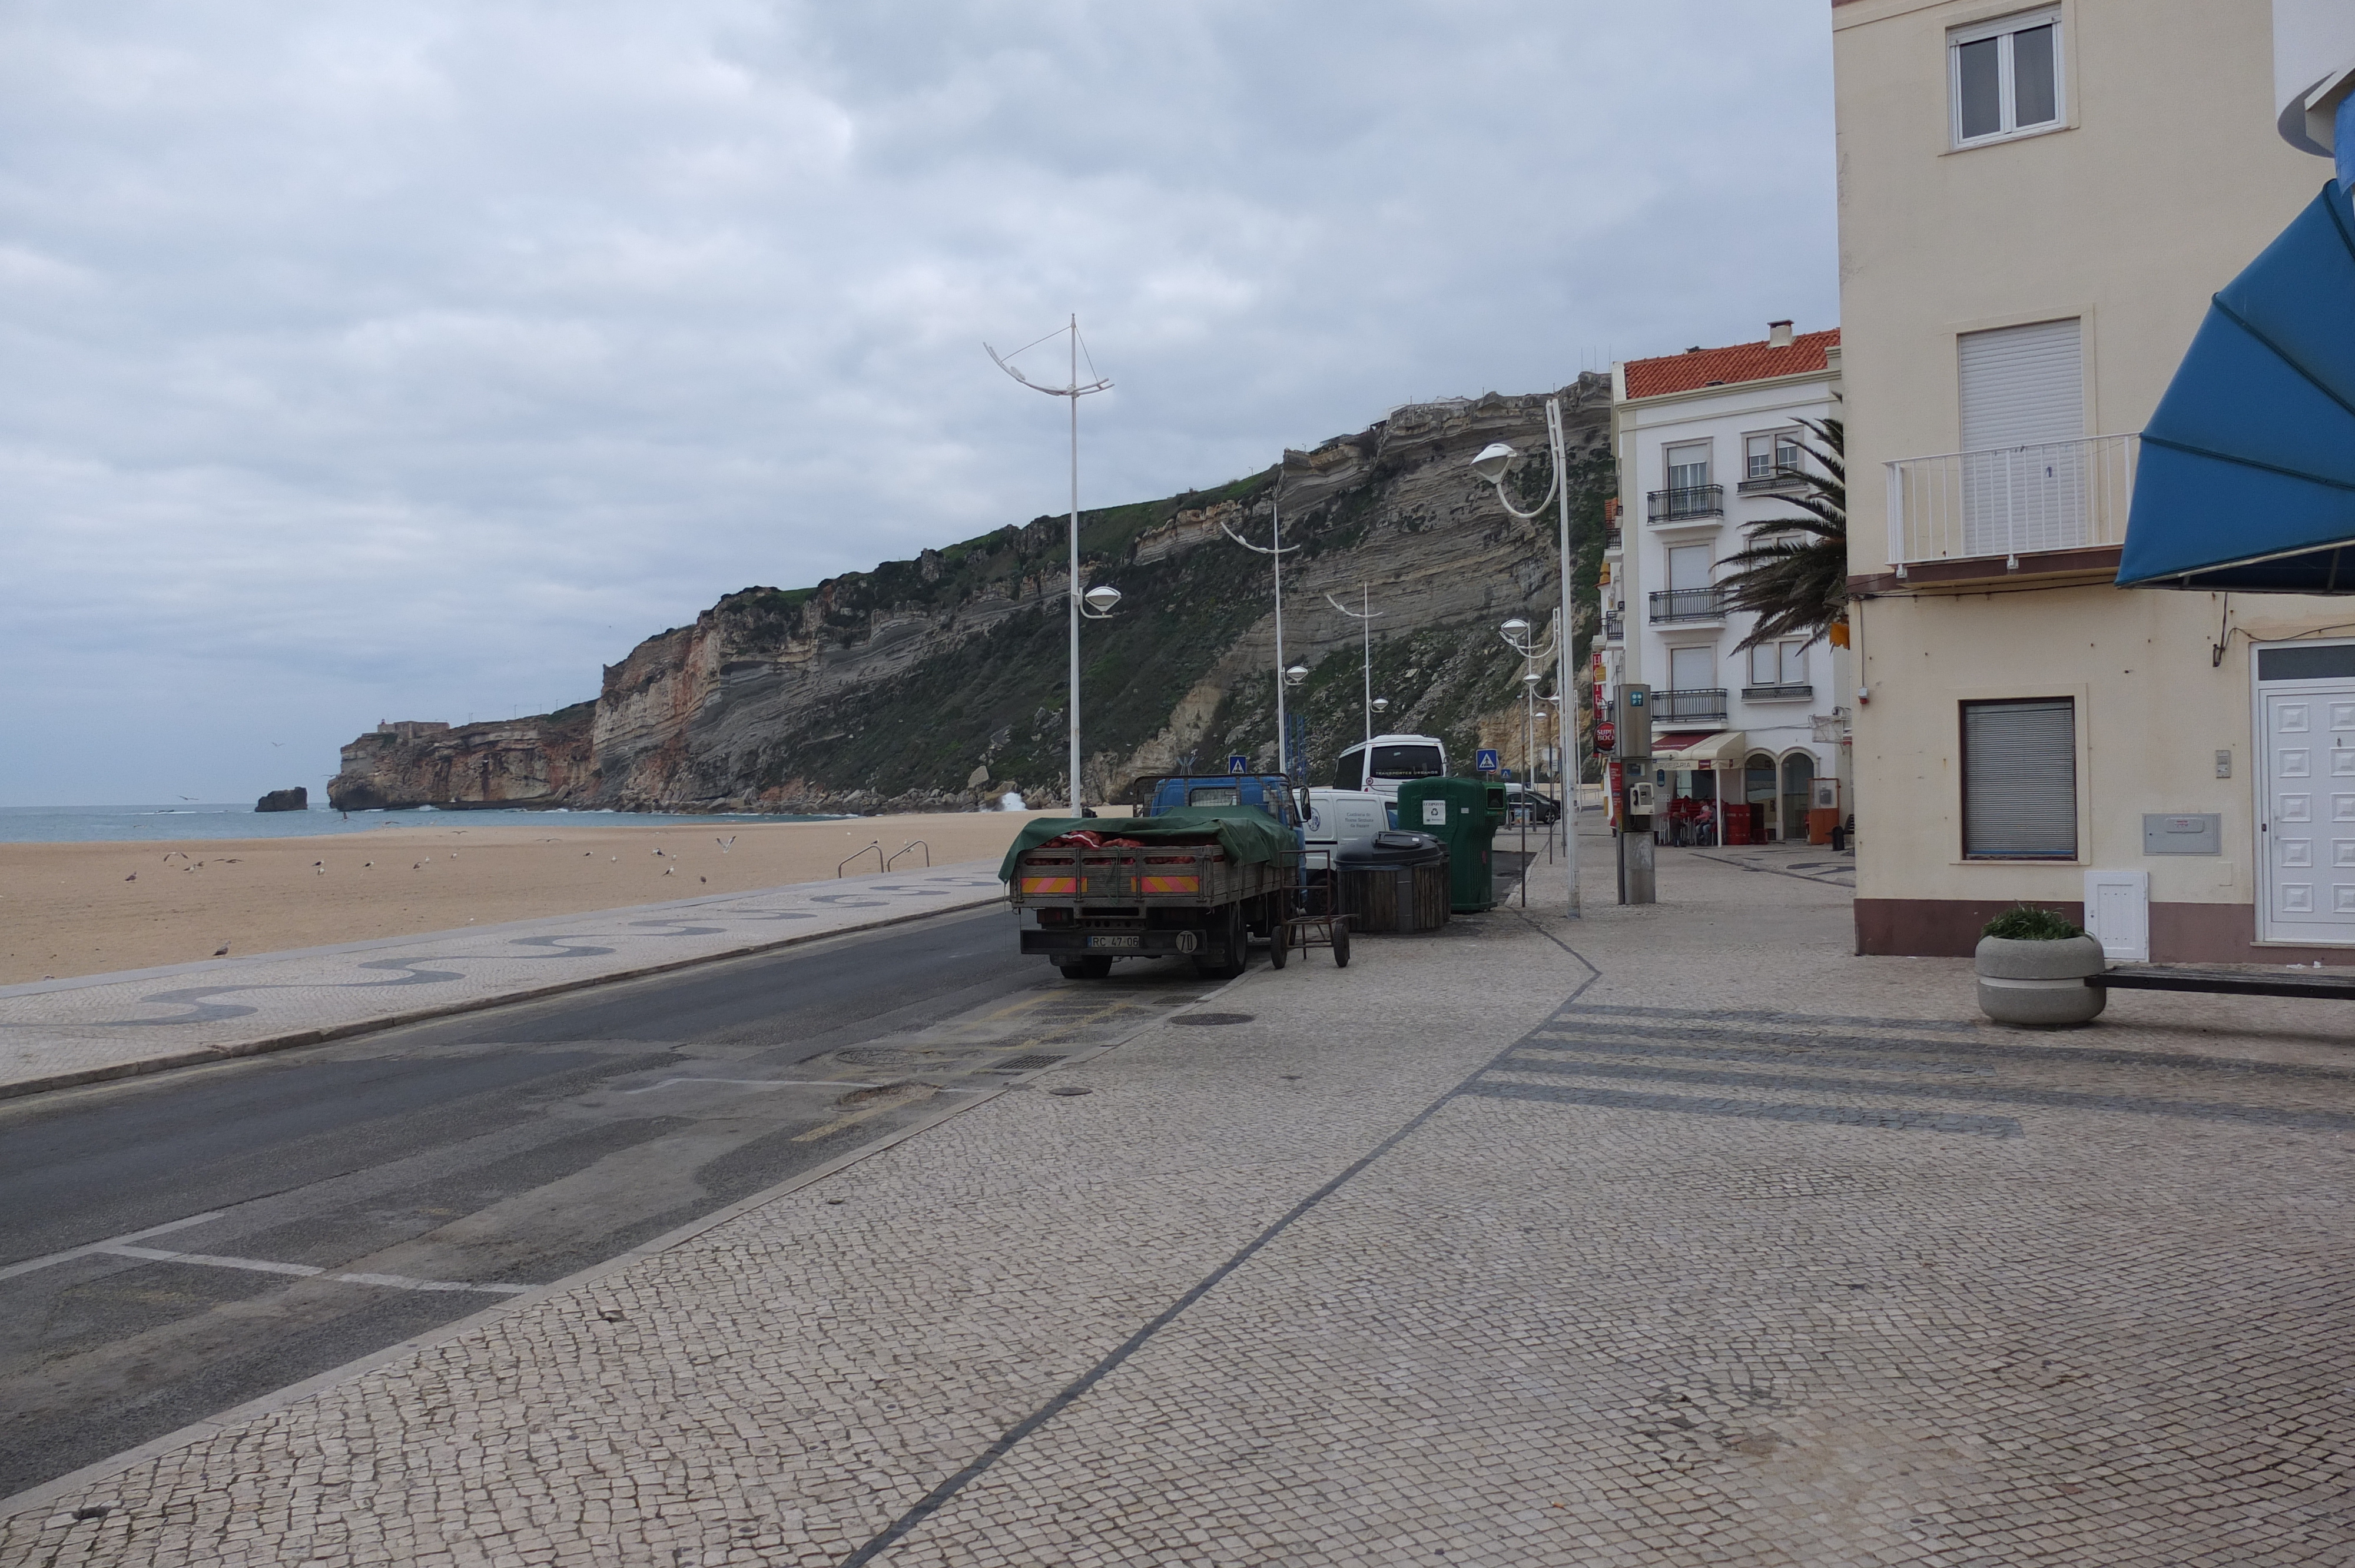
(2011, 501)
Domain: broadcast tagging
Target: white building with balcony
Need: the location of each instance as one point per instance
(1707, 442)
(2037, 206)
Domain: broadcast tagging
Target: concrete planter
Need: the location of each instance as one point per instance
(2039, 984)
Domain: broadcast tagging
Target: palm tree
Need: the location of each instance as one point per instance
(1799, 585)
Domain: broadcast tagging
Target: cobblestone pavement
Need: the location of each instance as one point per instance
(54, 1032)
(1707, 1242)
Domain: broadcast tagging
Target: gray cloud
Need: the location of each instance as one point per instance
(364, 362)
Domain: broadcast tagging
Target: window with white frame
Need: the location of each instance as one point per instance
(1778, 665)
(1689, 466)
(1770, 455)
(2004, 77)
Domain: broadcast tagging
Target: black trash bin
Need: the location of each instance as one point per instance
(1394, 881)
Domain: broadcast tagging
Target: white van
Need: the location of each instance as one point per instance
(1380, 765)
(1338, 819)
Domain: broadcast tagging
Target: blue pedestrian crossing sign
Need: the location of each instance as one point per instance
(1484, 761)
(1238, 763)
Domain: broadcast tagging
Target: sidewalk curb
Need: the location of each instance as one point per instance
(54, 1491)
(270, 1042)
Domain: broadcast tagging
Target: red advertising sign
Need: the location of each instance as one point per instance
(1607, 734)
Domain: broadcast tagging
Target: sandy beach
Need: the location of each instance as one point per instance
(89, 908)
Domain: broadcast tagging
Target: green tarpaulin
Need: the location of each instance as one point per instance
(1247, 834)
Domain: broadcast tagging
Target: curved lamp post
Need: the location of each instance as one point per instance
(1275, 549)
(1074, 391)
(1491, 465)
(1364, 616)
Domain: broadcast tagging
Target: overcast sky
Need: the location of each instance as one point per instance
(369, 361)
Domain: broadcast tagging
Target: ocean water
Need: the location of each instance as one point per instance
(194, 819)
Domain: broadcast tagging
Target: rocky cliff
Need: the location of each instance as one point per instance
(939, 682)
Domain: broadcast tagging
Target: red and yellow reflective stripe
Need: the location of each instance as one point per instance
(1173, 883)
(1051, 885)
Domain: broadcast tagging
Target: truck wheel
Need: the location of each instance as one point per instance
(1086, 969)
(1279, 943)
(1341, 944)
(1238, 955)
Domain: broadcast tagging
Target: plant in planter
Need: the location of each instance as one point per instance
(2032, 963)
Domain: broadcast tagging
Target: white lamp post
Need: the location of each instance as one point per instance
(1364, 616)
(1074, 391)
(1276, 550)
(1491, 465)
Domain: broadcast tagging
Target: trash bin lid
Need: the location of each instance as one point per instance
(1391, 848)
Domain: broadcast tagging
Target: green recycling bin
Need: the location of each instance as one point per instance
(1457, 812)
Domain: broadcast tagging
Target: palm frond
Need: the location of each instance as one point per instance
(1800, 584)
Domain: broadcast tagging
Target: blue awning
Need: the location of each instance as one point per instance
(2247, 476)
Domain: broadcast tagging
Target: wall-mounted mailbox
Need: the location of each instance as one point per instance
(2198, 832)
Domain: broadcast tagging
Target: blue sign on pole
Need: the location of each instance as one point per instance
(1238, 763)
(1484, 761)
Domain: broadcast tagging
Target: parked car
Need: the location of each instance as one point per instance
(1540, 806)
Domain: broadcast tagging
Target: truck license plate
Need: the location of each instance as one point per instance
(1130, 943)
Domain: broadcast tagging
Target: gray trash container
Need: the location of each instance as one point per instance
(1394, 881)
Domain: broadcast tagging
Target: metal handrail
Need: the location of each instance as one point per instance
(1692, 704)
(2008, 501)
(879, 865)
(1688, 604)
(912, 843)
(1685, 501)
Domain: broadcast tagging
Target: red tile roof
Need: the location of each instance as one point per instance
(1743, 362)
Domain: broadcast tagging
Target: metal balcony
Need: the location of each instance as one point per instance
(1688, 604)
(1614, 629)
(1771, 483)
(2011, 501)
(1689, 504)
(1698, 705)
(1802, 692)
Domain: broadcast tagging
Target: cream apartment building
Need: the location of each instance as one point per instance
(1707, 443)
(2036, 204)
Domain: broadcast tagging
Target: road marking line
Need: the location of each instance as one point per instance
(30, 1263)
(403, 1282)
(762, 1083)
(303, 1270)
(254, 1264)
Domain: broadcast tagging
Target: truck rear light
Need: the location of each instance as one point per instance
(1054, 916)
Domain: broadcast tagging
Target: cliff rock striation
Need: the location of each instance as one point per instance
(938, 684)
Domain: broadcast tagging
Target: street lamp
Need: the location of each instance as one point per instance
(1364, 616)
(1382, 705)
(1295, 675)
(1276, 550)
(1100, 601)
(1074, 391)
(1491, 464)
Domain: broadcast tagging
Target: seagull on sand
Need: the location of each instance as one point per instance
(221, 951)
(133, 877)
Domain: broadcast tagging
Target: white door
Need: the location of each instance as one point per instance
(2306, 826)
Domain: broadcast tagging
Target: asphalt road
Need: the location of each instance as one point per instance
(452, 1164)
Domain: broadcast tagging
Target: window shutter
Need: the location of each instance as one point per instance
(2022, 386)
(2023, 409)
(2019, 779)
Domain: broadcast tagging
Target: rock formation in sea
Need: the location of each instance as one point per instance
(938, 684)
(298, 799)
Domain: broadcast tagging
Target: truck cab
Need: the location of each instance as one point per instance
(1267, 791)
(1379, 766)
